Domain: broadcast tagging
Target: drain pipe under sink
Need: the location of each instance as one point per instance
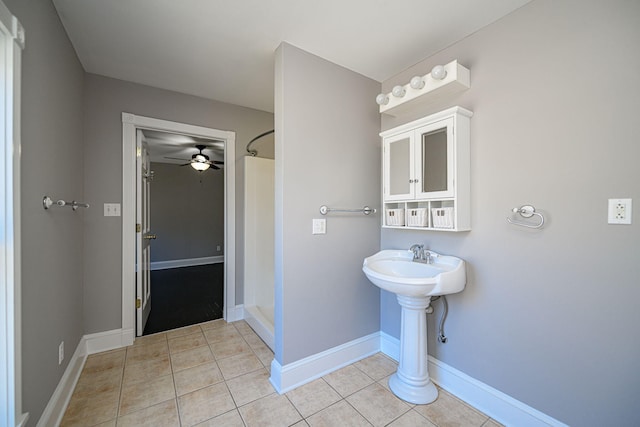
(441, 337)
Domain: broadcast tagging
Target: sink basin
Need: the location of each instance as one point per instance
(395, 271)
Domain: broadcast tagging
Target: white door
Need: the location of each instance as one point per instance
(143, 234)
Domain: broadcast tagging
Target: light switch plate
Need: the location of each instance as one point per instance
(112, 209)
(319, 226)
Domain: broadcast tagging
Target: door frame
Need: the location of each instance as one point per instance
(12, 41)
(131, 123)
(143, 246)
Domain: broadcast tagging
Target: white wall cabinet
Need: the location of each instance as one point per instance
(426, 167)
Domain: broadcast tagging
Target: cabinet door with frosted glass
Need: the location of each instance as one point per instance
(434, 160)
(398, 167)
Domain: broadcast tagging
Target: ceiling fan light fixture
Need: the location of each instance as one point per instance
(200, 166)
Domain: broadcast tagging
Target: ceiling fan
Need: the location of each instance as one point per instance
(200, 161)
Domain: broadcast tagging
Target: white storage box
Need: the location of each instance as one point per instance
(395, 217)
(442, 217)
(417, 217)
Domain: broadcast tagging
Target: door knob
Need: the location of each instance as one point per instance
(150, 236)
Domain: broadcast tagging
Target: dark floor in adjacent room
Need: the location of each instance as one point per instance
(185, 296)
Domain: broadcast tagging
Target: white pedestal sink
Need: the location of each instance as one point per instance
(414, 283)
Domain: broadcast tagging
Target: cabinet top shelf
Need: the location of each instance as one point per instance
(428, 119)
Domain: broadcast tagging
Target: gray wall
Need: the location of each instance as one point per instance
(187, 212)
(327, 152)
(52, 246)
(549, 317)
(265, 146)
(105, 100)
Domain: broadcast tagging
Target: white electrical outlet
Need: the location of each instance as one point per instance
(60, 353)
(319, 226)
(619, 211)
(218, 248)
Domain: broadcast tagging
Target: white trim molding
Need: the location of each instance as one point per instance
(492, 402)
(260, 325)
(187, 262)
(54, 411)
(235, 313)
(108, 340)
(390, 346)
(12, 41)
(89, 344)
(130, 123)
(292, 375)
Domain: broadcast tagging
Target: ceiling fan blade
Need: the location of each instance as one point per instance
(215, 167)
(186, 164)
(216, 162)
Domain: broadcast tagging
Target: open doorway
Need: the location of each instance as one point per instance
(131, 125)
(183, 229)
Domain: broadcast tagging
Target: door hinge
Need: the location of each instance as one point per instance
(138, 303)
(138, 228)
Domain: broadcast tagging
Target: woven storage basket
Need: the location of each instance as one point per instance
(417, 217)
(395, 217)
(442, 217)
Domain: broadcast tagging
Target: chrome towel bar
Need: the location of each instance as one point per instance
(366, 210)
(47, 203)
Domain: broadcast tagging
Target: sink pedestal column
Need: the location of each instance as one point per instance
(411, 382)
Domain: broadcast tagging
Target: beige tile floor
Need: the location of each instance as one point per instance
(217, 374)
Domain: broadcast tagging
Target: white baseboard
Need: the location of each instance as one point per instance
(54, 411)
(22, 421)
(234, 313)
(128, 336)
(494, 403)
(390, 346)
(490, 401)
(89, 344)
(108, 340)
(288, 377)
(260, 324)
(187, 262)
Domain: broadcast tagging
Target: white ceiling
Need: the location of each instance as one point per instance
(167, 147)
(224, 49)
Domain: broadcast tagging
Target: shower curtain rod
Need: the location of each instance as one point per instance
(255, 152)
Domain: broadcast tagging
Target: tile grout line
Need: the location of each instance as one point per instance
(376, 367)
(356, 409)
(173, 377)
(124, 365)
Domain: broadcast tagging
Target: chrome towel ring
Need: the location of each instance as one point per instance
(527, 211)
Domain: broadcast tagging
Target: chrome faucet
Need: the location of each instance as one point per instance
(420, 254)
(417, 251)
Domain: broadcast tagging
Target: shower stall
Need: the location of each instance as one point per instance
(259, 240)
